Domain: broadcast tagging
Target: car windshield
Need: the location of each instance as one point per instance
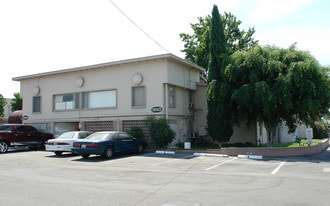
(67, 135)
(99, 136)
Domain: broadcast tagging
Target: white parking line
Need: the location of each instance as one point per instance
(160, 163)
(214, 166)
(277, 168)
(326, 169)
(169, 161)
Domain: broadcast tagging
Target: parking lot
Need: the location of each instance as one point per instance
(41, 178)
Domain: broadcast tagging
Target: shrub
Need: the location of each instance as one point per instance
(320, 129)
(135, 132)
(160, 131)
(200, 143)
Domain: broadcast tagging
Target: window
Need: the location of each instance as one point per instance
(66, 101)
(6, 128)
(171, 96)
(138, 96)
(124, 137)
(26, 129)
(36, 104)
(100, 99)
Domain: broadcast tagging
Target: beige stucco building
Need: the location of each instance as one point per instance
(117, 96)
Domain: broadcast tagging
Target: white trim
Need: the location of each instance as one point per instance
(148, 58)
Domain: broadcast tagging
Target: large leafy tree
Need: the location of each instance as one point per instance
(274, 85)
(218, 117)
(210, 51)
(196, 45)
(16, 103)
(2, 105)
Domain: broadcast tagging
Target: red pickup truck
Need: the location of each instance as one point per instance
(21, 135)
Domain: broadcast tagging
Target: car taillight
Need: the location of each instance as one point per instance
(62, 143)
(49, 143)
(76, 144)
(92, 145)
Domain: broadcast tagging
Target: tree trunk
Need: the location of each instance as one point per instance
(269, 138)
(270, 134)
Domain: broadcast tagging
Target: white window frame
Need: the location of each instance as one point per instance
(100, 99)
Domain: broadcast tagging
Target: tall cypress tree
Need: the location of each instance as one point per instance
(218, 101)
(217, 47)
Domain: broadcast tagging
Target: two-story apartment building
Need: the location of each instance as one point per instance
(118, 95)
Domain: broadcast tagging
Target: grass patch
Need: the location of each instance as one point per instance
(295, 144)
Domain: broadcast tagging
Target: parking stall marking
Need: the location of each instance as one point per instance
(172, 160)
(165, 162)
(277, 168)
(326, 169)
(222, 163)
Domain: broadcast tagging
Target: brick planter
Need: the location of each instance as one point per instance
(268, 151)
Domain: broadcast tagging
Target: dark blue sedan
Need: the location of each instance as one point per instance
(108, 143)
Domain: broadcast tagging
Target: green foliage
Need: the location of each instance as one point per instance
(160, 131)
(302, 143)
(16, 103)
(135, 132)
(217, 46)
(2, 105)
(219, 125)
(218, 95)
(197, 45)
(273, 85)
(320, 129)
(214, 40)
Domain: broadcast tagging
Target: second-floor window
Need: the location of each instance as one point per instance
(67, 101)
(138, 96)
(100, 99)
(36, 104)
(171, 96)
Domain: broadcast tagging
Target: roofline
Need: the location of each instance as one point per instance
(147, 58)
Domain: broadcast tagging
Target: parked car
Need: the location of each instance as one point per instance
(108, 143)
(12, 135)
(64, 142)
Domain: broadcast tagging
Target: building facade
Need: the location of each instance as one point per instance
(117, 96)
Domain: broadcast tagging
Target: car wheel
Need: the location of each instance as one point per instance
(58, 153)
(3, 147)
(140, 148)
(108, 153)
(85, 156)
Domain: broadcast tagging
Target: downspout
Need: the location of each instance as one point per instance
(166, 101)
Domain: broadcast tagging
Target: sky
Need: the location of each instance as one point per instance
(47, 35)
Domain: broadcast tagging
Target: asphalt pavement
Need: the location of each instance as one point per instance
(40, 178)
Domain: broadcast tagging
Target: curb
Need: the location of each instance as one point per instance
(257, 157)
(210, 154)
(164, 152)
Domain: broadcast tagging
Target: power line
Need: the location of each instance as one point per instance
(138, 26)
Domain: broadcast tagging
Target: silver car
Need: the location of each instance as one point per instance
(64, 142)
